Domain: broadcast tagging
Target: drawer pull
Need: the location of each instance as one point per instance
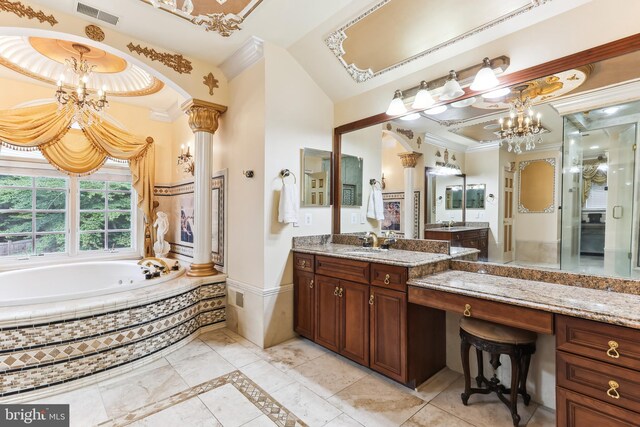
(340, 292)
(386, 279)
(335, 291)
(613, 390)
(311, 284)
(613, 350)
(371, 300)
(303, 264)
(467, 310)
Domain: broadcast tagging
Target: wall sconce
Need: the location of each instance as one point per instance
(185, 159)
(383, 185)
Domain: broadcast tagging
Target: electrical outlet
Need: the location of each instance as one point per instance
(354, 218)
(363, 218)
(308, 219)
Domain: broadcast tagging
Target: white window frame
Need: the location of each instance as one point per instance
(31, 165)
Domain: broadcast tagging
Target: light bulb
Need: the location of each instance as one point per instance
(486, 78)
(423, 98)
(451, 88)
(85, 79)
(396, 107)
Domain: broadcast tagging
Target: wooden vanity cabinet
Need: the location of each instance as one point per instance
(597, 373)
(476, 239)
(359, 310)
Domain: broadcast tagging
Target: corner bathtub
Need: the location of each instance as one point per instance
(73, 281)
(66, 326)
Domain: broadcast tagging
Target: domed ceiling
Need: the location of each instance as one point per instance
(46, 59)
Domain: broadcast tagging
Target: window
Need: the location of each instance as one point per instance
(597, 198)
(33, 216)
(45, 212)
(106, 211)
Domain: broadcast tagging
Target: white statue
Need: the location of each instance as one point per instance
(161, 247)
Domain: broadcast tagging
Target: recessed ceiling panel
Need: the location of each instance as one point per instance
(395, 32)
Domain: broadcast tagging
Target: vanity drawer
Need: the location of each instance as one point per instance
(612, 384)
(576, 410)
(506, 314)
(356, 271)
(612, 344)
(389, 276)
(303, 262)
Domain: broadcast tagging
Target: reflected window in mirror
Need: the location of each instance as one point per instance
(351, 169)
(316, 190)
(453, 197)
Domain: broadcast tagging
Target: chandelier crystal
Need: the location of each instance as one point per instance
(81, 100)
(522, 128)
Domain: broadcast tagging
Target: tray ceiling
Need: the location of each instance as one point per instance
(395, 32)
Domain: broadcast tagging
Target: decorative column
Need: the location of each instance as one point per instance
(203, 120)
(409, 161)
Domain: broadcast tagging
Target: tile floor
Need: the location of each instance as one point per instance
(221, 379)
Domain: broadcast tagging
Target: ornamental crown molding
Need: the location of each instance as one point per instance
(248, 54)
(203, 115)
(409, 159)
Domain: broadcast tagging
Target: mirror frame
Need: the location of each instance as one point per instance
(606, 51)
(427, 197)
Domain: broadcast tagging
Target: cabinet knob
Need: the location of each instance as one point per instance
(311, 284)
(386, 279)
(335, 291)
(371, 300)
(467, 310)
(340, 292)
(303, 263)
(613, 349)
(613, 390)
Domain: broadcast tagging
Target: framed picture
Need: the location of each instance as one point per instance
(186, 218)
(321, 183)
(313, 183)
(393, 206)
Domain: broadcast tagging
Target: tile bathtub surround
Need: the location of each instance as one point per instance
(36, 356)
(604, 283)
(609, 307)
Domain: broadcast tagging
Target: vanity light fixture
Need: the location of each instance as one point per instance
(436, 110)
(498, 93)
(486, 78)
(185, 159)
(409, 117)
(423, 98)
(397, 106)
(464, 103)
(451, 89)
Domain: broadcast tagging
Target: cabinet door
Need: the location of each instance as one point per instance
(576, 410)
(354, 321)
(389, 333)
(304, 303)
(327, 332)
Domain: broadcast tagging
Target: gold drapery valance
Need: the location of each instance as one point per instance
(45, 128)
(591, 174)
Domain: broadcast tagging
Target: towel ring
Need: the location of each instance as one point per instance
(373, 182)
(285, 173)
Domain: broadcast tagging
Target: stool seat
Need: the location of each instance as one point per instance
(496, 332)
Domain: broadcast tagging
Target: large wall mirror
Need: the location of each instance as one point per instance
(586, 117)
(316, 189)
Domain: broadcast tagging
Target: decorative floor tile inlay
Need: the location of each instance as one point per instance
(273, 409)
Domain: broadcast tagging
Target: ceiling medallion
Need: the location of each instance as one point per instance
(22, 11)
(94, 32)
(222, 24)
(175, 61)
(211, 82)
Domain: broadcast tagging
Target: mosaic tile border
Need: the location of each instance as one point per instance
(273, 409)
(38, 356)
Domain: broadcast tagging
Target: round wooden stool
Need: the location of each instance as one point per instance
(497, 339)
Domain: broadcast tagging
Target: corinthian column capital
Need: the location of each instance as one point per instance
(203, 115)
(410, 159)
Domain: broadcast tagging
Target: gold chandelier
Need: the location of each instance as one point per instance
(521, 127)
(80, 98)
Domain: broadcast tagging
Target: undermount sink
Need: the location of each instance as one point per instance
(452, 229)
(362, 251)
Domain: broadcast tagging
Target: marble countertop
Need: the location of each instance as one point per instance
(604, 306)
(457, 251)
(391, 256)
(455, 229)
